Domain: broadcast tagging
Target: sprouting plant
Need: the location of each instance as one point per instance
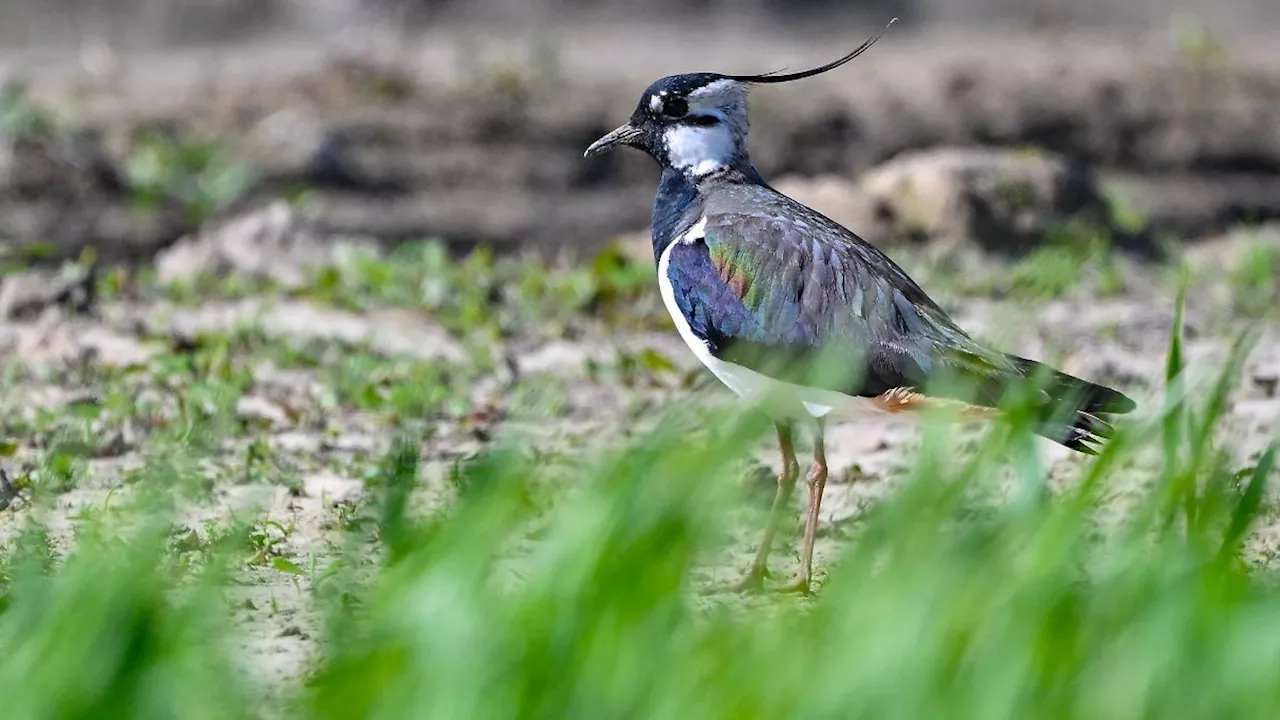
(22, 117)
(1255, 279)
(1198, 45)
(199, 175)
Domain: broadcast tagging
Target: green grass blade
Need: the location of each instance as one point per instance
(394, 483)
(1249, 506)
(1177, 482)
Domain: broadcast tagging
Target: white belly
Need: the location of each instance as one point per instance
(778, 398)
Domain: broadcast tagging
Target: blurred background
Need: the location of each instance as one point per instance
(152, 23)
(401, 120)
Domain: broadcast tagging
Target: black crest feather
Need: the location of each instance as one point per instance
(774, 77)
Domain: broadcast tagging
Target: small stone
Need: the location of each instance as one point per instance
(1003, 200)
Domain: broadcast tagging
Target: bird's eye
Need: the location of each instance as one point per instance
(675, 107)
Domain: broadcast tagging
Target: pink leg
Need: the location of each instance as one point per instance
(817, 481)
(754, 580)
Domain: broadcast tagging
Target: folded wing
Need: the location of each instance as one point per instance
(795, 296)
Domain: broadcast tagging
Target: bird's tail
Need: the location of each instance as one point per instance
(1072, 414)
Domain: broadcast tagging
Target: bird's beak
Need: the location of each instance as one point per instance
(625, 135)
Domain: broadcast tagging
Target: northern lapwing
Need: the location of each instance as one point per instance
(761, 287)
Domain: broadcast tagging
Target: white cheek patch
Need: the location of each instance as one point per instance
(700, 150)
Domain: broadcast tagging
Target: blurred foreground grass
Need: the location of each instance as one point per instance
(962, 596)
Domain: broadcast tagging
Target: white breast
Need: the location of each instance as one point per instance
(780, 398)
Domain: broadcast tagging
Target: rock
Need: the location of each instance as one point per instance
(26, 295)
(273, 242)
(1001, 200)
(843, 201)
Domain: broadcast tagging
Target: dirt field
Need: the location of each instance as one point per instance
(329, 325)
(470, 135)
(307, 390)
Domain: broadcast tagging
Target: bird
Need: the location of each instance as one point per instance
(799, 315)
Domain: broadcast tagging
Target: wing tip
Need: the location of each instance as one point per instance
(1087, 434)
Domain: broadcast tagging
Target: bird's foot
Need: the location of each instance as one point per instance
(799, 586)
(751, 584)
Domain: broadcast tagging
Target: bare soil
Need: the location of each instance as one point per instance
(325, 448)
(475, 136)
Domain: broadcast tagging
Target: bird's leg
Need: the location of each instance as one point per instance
(817, 481)
(754, 581)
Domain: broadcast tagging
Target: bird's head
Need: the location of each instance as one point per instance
(696, 123)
